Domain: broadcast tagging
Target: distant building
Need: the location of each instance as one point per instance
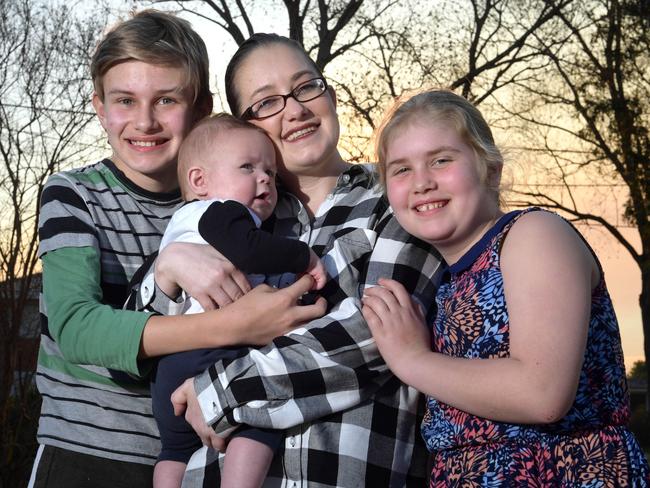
(27, 343)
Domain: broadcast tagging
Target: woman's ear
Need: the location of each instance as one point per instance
(198, 181)
(332, 94)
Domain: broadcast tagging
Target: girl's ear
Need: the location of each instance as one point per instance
(494, 176)
(197, 179)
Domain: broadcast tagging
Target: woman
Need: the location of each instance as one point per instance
(324, 383)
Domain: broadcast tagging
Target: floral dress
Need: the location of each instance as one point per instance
(589, 447)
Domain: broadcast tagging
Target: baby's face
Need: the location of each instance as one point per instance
(244, 170)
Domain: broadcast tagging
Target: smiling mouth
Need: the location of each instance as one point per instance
(145, 143)
(299, 133)
(429, 206)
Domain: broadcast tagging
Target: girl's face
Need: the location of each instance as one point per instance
(434, 187)
(306, 133)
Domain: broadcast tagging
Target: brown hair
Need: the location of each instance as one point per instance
(254, 42)
(447, 107)
(158, 38)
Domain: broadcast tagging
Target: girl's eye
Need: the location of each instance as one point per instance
(440, 161)
(166, 101)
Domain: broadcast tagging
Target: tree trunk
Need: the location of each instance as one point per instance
(644, 304)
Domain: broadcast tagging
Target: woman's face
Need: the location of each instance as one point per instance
(306, 133)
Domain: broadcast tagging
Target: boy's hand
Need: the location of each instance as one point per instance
(202, 272)
(317, 271)
(266, 313)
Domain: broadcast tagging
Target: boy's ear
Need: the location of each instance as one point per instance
(98, 105)
(203, 109)
(197, 179)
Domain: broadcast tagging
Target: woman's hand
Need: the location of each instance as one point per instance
(266, 313)
(397, 324)
(202, 272)
(184, 399)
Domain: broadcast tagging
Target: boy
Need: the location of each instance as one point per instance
(97, 225)
(226, 171)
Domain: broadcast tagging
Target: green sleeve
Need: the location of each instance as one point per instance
(86, 330)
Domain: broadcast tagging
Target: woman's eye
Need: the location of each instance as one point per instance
(267, 103)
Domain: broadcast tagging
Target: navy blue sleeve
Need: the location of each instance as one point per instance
(229, 228)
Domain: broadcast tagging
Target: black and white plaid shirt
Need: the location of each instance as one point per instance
(348, 421)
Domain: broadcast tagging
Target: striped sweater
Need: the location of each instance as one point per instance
(96, 228)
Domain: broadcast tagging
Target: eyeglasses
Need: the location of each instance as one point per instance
(269, 106)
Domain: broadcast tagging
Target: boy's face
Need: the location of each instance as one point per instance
(243, 169)
(146, 115)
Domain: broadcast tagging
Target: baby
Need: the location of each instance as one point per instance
(227, 174)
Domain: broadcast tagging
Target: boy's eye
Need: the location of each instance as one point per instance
(125, 101)
(166, 101)
(440, 161)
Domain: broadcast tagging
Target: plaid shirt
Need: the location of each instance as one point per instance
(348, 421)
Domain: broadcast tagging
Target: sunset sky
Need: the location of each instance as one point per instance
(621, 272)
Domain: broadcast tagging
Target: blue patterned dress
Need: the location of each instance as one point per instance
(589, 447)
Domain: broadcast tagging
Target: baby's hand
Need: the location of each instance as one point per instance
(317, 271)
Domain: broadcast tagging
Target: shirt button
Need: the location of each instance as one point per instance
(292, 443)
(146, 290)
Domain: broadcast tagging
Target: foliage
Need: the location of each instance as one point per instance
(639, 371)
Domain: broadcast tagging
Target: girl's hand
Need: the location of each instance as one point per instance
(202, 272)
(266, 313)
(398, 326)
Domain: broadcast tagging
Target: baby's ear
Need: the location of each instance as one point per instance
(197, 180)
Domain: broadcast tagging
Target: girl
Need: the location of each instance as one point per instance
(526, 382)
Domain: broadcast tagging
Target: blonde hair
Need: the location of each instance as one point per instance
(158, 38)
(198, 147)
(447, 107)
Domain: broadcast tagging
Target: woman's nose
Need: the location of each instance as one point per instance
(294, 109)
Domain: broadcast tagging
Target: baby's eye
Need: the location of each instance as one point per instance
(271, 173)
(401, 170)
(246, 167)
